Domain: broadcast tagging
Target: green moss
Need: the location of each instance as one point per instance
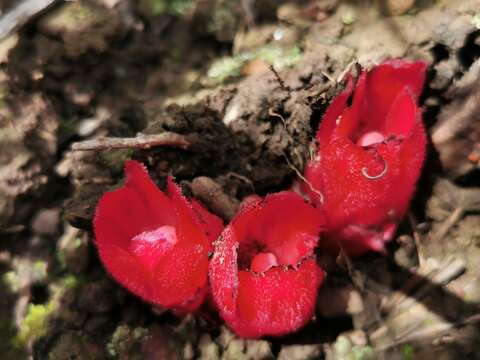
(408, 352)
(10, 280)
(362, 353)
(72, 345)
(428, 321)
(115, 159)
(159, 7)
(4, 92)
(125, 342)
(72, 15)
(223, 19)
(71, 281)
(342, 346)
(64, 254)
(24, 274)
(345, 351)
(476, 20)
(281, 58)
(34, 325)
(154, 7)
(180, 7)
(40, 269)
(225, 68)
(231, 67)
(349, 17)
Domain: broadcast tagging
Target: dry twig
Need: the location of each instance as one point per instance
(279, 79)
(453, 219)
(20, 13)
(418, 240)
(449, 270)
(427, 332)
(138, 142)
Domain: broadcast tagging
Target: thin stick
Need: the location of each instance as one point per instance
(346, 71)
(20, 13)
(138, 142)
(429, 332)
(454, 217)
(279, 79)
(447, 271)
(301, 177)
(418, 241)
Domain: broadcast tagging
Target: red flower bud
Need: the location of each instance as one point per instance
(262, 275)
(153, 244)
(370, 156)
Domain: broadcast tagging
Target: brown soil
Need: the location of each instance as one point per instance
(84, 70)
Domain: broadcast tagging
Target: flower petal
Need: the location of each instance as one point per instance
(126, 269)
(369, 158)
(288, 227)
(351, 119)
(115, 222)
(153, 199)
(276, 302)
(334, 111)
(282, 224)
(151, 244)
(223, 274)
(212, 225)
(180, 274)
(402, 115)
(267, 299)
(385, 82)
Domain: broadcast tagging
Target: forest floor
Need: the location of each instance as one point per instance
(244, 84)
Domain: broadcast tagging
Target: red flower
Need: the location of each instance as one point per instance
(370, 156)
(262, 275)
(155, 245)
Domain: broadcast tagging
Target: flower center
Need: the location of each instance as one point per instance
(370, 138)
(149, 246)
(263, 262)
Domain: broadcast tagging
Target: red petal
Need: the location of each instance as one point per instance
(152, 244)
(402, 115)
(366, 178)
(223, 273)
(290, 227)
(154, 200)
(193, 304)
(403, 72)
(149, 246)
(271, 300)
(385, 82)
(335, 109)
(126, 269)
(351, 118)
(212, 225)
(277, 302)
(283, 224)
(115, 223)
(351, 198)
(178, 276)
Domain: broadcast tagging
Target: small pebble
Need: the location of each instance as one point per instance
(46, 221)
